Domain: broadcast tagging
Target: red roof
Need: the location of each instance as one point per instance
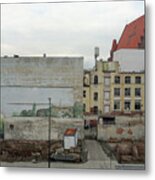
(132, 35)
(70, 132)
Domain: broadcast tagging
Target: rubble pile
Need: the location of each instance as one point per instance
(30, 150)
(130, 152)
(23, 150)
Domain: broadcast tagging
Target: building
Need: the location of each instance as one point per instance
(107, 90)
(129, 50)
(28, 82)
(116, 86)
(94, 86)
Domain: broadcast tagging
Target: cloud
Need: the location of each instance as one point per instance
(65, 29)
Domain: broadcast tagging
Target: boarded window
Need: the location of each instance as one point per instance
(107, 95)
(106, 81)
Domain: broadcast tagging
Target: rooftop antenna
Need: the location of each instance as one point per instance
(96, 55)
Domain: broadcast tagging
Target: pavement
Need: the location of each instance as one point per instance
(97, 159)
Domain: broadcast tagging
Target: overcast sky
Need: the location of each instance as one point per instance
(65, 29)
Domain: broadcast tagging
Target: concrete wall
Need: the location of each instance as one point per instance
(28, 80)
(125, 128)
(32, 128)
(118, 132)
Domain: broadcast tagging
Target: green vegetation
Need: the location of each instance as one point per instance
(1, 126)
(78, 110)
(71, 112)
(30, 112)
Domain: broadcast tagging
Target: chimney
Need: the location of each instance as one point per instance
(96, 55)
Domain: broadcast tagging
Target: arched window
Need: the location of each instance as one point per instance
(95, 79)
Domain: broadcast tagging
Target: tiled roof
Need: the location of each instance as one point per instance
(132, 36)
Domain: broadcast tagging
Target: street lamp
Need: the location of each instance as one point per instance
(49, 132)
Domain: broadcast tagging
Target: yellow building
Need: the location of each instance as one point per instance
(107, 90)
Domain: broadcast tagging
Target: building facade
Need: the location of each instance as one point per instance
(28, 82)
(107, 90)
(116, 86)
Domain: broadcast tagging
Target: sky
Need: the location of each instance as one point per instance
(65, 29)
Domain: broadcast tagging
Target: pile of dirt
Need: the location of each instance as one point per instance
(31, 150)
(130, 152)
(24, 150)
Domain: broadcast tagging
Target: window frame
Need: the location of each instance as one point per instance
(139, 95)
(96, 79)
(125, 92)
(135, 106)
(115, 94)
(125, 109)
(115, 80)
(126, 80)
(118, 109)
(95, 96)
(138, 82)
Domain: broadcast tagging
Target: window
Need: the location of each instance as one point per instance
(127, 105)
(107, 95)
(106, 81)
(95, 110)
(127, 92)
(138, 80)
(116, 105)
(137, 92)
(84, 93)
(11, 127)
(127, 80)
(95, 96)
(108, 120)
(137, 105)
(116, 91)
(95, 79)
(117, 80)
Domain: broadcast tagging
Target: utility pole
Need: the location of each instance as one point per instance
(49, 133)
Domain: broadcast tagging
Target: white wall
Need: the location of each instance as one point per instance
(69, 141)
(130, 59)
